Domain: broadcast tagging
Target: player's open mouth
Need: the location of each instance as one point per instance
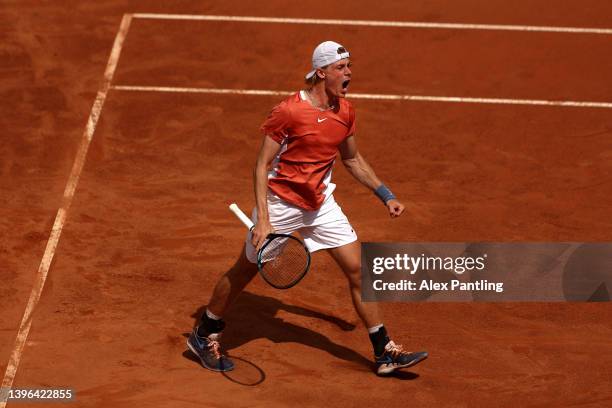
(345, 84)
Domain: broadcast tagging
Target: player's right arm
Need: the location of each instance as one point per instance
(267, 153)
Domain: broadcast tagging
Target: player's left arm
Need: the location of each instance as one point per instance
(363, 172)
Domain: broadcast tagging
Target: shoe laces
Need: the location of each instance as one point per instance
(214, 346)
(394, 349)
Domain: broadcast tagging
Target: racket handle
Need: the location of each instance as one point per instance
(241, 216)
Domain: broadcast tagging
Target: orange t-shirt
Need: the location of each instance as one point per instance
(309, 139)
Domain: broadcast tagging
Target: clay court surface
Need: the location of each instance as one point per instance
(148, 231)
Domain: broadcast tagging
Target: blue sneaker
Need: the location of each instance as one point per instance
(208, 349)
(395, 357)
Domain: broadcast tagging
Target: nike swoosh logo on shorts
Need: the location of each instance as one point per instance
(321, 120)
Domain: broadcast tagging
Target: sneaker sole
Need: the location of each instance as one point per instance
(203, 362)
(388, 369)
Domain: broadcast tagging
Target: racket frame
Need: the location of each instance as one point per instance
(260, 263)
(250, 225)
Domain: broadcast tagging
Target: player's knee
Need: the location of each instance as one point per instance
(353, 273)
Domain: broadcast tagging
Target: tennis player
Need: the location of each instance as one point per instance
(293, 192)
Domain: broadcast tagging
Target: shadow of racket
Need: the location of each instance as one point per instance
(245, 373)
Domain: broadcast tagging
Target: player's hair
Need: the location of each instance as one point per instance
(313, 80)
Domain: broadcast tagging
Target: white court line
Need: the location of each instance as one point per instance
(60, 218)
(420, 98)
(400, 24)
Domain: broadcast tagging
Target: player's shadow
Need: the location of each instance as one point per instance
(254, 316)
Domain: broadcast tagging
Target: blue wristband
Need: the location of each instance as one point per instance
(384, 194)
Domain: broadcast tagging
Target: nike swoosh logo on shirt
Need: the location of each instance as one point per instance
(321, 120)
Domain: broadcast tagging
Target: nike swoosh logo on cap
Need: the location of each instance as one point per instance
(321, 120)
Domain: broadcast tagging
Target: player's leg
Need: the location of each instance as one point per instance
(231, 284)
(285, 219)
(348, 257)
(204, 341)
(388, 356)
(328, 228)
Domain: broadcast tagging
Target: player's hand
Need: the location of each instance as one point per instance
(395, 208)
(260, 232)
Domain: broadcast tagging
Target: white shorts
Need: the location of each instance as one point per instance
(324, 228)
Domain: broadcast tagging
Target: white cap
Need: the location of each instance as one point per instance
(326, 53)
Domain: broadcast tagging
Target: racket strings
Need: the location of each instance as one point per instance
(284, 261)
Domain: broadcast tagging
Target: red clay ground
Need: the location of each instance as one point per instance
(149, 232)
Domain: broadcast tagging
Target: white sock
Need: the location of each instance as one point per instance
(212, 316)
(374, 329)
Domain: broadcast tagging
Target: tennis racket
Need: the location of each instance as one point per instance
(283, 259)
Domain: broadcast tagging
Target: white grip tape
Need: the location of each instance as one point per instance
(241, 216)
